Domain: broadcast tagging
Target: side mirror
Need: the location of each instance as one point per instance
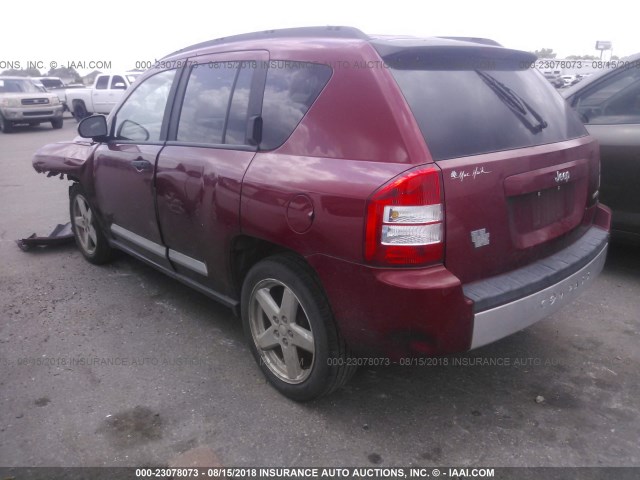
(94, 127)
(120, 86)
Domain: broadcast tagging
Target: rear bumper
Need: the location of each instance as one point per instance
(498, 322)
(507, 303)
(427, 311)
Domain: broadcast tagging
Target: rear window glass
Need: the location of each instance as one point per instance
(290, 89)
(478, 109)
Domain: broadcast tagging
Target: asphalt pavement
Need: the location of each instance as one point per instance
(120, 366)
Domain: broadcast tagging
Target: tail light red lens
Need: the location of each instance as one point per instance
(405, 220)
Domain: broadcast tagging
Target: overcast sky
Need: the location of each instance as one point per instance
(123, 32)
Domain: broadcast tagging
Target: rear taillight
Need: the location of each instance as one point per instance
(405, 220)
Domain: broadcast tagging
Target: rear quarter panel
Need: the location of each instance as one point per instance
(357, 135)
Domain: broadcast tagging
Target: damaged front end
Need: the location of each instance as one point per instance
(64, 158)
(71, 159)
(61, 235)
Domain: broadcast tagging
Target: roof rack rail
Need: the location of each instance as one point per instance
(306, 32)
(483, 41)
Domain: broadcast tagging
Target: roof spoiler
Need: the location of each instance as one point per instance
(483, 41)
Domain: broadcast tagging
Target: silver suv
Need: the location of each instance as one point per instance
(23, 101)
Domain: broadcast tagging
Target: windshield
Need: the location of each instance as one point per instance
(52, 83)
(470, 111)
(132, 77)
(19, 85)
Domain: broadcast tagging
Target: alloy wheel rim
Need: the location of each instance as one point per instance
(83, 223)
(281, 331)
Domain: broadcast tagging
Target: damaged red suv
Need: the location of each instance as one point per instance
(348, 195)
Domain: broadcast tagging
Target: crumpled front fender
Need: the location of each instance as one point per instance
(64, 158)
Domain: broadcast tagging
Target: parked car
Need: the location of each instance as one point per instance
(609, 105)
(101, 97)
(54, 85)
(356, 199)
(580, 77)
(23, 101)
(568, 80)
(553, 76)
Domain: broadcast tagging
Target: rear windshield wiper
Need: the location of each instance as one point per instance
(515, 103)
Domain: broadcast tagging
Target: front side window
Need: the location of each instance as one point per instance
(102, 83)
(615, 101)
(140, 117)
(290, 90)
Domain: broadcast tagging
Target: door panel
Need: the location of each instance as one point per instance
(124, 168)
(124, 186)
(620, 172)
(198, 195)
(99, 93)
(610, 108)
(199, 172)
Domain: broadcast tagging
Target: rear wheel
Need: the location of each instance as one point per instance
(5, 125)
(89, 238)
(57, 123)
(290, 329)
(79, 111)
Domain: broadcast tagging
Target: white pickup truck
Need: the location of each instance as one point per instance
(102, 96)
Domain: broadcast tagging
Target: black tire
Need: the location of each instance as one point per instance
(57, 123)
(306, 358)
(79, 111)
(89, 238)
(5, 125)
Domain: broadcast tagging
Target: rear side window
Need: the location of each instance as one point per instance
(118, 82)
(291, 88)
(216, 103)
(464, 110)
(236, 133)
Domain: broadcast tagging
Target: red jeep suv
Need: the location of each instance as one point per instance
(352, 197)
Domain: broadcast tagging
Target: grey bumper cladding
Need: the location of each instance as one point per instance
(536, 291)
(505, 288)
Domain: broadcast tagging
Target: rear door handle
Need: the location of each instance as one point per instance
(140, 164)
